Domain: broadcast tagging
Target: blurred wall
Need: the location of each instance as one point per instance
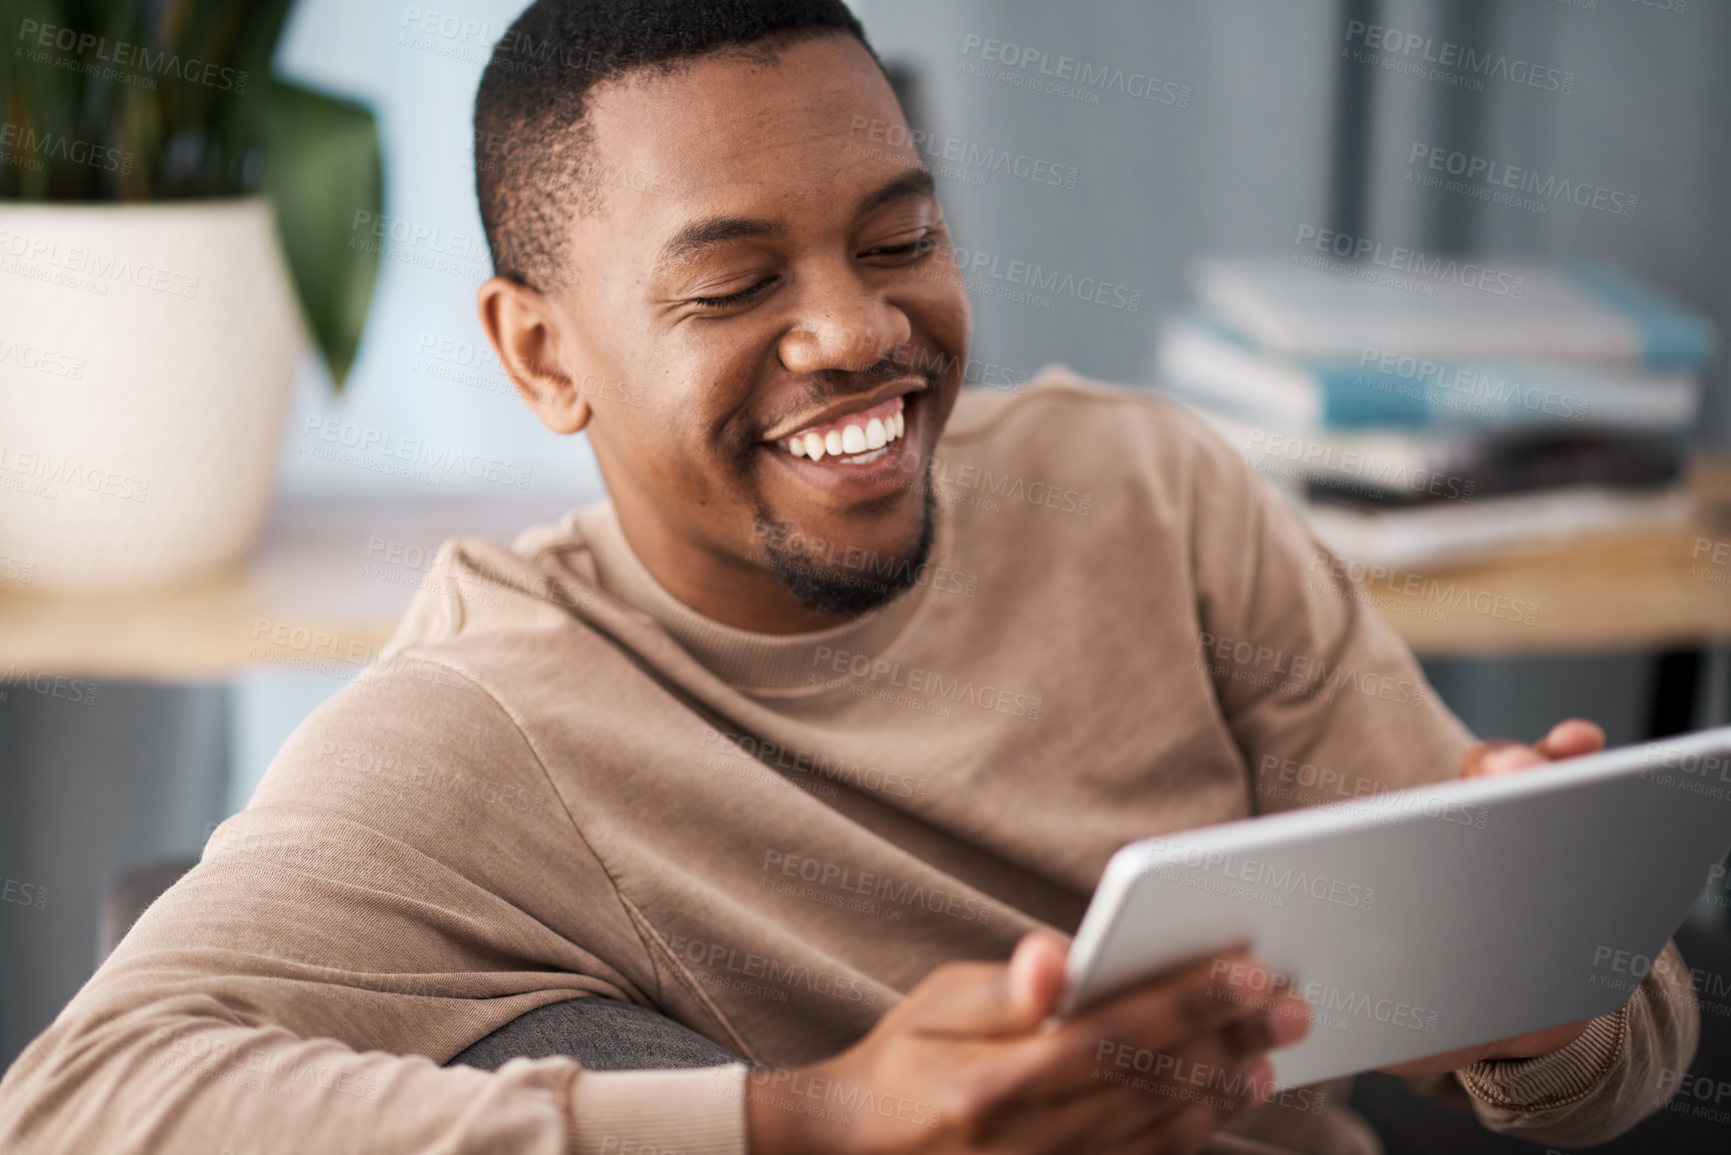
(1231, 152)
(424, 370)
(1645, 117)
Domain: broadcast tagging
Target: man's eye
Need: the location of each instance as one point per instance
(913, 248)
(738, 298)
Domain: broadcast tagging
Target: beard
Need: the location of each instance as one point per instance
(824, 583)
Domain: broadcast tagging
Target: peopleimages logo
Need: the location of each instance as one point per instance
(375, 449)
(1328, 1003)
(23, 893)
(1035, 279)
(1367, 797)
(1072, 77)
(1190, 1081)
(22, 138)
(1423, 587)
(722, 960)
(205, 1056)
(1691, 771)
(101, 268)
(74, 690)
(41, 475)
(41, 360)
(1473, 384)
(1487, 179)
(920, 680)
(836, 877)
(1299, 674)
(1259, 875)
(774, 756)
(1455, 63)
(935, 149)
(122, 54)
(1399, 259)
(1378, 473)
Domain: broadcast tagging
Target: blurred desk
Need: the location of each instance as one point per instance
(334, 576)
(1646, 591)
(323, 590)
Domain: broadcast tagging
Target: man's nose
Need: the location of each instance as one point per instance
(845, 324)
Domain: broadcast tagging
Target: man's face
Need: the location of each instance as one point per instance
(773, 281)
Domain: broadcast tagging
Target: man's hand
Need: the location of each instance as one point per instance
(968, 1062)
(1570, 739)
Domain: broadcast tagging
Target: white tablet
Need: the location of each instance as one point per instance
(1425, 920)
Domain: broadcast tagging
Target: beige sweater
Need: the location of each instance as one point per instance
(560, 782)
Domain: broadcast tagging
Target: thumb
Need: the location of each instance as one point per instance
(1036, 977)
(992, 998)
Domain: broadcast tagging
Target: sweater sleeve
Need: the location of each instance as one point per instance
(1323, 699)
(406, 880)
(1327, 703)
(1622, 1068)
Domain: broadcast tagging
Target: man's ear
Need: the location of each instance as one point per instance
(524, 329)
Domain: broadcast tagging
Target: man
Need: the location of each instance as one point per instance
(849, 681)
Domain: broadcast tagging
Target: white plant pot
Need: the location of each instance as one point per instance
(147, 354)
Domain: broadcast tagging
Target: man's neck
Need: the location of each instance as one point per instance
(724, 589)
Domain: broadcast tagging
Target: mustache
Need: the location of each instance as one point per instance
(832, 384)
(827, 385)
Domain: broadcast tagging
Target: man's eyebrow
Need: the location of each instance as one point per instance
(915, 182)
(702, 234)
(699, 235)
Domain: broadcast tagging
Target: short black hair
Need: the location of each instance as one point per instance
(533, 160)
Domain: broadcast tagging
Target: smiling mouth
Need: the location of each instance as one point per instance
(859, 438)
(859, 456)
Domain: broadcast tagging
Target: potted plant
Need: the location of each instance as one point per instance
(164, 202)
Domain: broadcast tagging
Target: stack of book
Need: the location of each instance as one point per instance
(1446, 420)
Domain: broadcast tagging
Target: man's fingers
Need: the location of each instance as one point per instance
(1081, 1123)
(1571, 739)
(1128, 1111)
(1224, 1003)
(1568, 739)
(1492, 759)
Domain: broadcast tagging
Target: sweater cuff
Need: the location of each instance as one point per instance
(700, 1112)
(1546, 1082)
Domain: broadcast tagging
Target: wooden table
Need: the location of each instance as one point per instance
(1668, 589)
(1657, 590)
(337, 574)
(326, 586)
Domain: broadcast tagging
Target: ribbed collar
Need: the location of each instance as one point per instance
(776, 664)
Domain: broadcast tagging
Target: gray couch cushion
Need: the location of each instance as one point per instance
(602, 1034)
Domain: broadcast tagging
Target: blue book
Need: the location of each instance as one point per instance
(1209, 363)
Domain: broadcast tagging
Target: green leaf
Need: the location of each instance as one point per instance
(321, 167)
(219, 130)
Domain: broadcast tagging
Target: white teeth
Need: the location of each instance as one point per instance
(849, 440)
